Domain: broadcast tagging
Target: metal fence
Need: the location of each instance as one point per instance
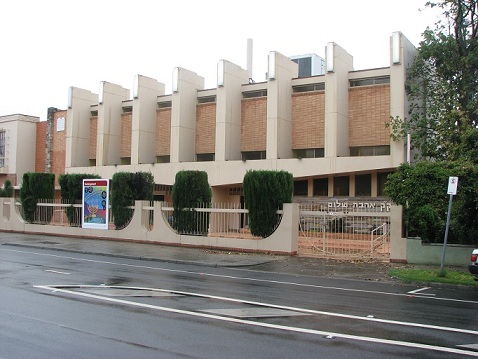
(227, 220)
(56, 212)
(344, 230)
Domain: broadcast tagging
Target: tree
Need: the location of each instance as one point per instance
(442, 86)
(421, 190)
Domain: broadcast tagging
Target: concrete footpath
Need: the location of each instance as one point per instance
(295, 265)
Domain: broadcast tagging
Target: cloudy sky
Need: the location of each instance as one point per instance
(48, 46)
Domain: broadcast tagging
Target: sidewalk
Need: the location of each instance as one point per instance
(361, 270)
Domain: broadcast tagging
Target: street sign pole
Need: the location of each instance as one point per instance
(452, 187)
(446, 234)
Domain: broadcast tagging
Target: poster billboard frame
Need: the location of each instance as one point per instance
(95, 203)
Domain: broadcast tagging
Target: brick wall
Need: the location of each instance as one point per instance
(206, 128)
(93, 133)
(58, 146)
(163, 131)
(369, 110)
(40, 150)
(254, 124)
(308, 120)
(126, 119)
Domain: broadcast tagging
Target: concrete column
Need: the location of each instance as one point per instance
(143, 131)
(281, 71)
(231, 77)
(78, 127)
(183, 114)
(402, 55)
(338, 65)
(109, 123)
(398, 245)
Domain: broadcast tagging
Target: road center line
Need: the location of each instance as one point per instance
(239, 278)
(269, 305)
(419, 290)
(56, 271)
(265, 325)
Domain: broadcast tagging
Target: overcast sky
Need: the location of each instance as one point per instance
(49, 45)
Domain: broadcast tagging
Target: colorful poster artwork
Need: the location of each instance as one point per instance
(95, 204)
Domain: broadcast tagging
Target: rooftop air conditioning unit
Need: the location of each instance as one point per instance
(309, 65)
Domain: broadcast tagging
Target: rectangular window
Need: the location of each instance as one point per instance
(301, 188)
(321, 187)
(370, 81)
(309, 88)
(204, 157)
(341, 186)
(363, 185)
(162, 159)
(206, 99)
(2, 147)
(252, 94)
(370, 151)
(253, 155)
(309, 153)
(381, 181)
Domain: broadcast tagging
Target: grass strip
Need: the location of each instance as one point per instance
(433, 276)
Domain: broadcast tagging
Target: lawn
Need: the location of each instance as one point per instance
(433, 276)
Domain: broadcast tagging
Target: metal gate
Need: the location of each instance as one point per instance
(345, 230)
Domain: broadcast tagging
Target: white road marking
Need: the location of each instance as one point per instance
(420, 290)
(240, 278)
(275, 306)
(268, 325)
(56, 271)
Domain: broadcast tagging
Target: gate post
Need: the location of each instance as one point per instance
(398, 245)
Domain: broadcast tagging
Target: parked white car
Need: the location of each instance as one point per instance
(473, 267)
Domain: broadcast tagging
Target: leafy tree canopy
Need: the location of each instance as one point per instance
(442, 86)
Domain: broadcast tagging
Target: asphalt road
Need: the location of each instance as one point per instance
(59, 304)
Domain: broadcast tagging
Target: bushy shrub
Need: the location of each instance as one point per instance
(71, 190)
(7, 190)
(422, 191)
(264, 194)
(190, 189)
(127, 187)
(36, 186)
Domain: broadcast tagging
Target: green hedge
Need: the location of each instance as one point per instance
(190, 189)
(127, 187)
(7, 190)
(71, 189)
(422, 191)
(36, 186)
(264, 194)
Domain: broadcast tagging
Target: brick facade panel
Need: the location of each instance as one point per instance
(308, 120)
(126, 128)
(93, 134)
(206, 128)
(58, 154)
(254, 124)
(40, 150)
(163, 132)
(369, 110)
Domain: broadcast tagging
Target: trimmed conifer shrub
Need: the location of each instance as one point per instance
(36, 186)
(264, 193)
(190, 189)
(127, 187)
(71, 190)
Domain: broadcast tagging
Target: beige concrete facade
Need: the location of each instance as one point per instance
(19, 134)
(319, 127)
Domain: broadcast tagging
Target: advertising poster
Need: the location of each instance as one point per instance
(95, 203)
